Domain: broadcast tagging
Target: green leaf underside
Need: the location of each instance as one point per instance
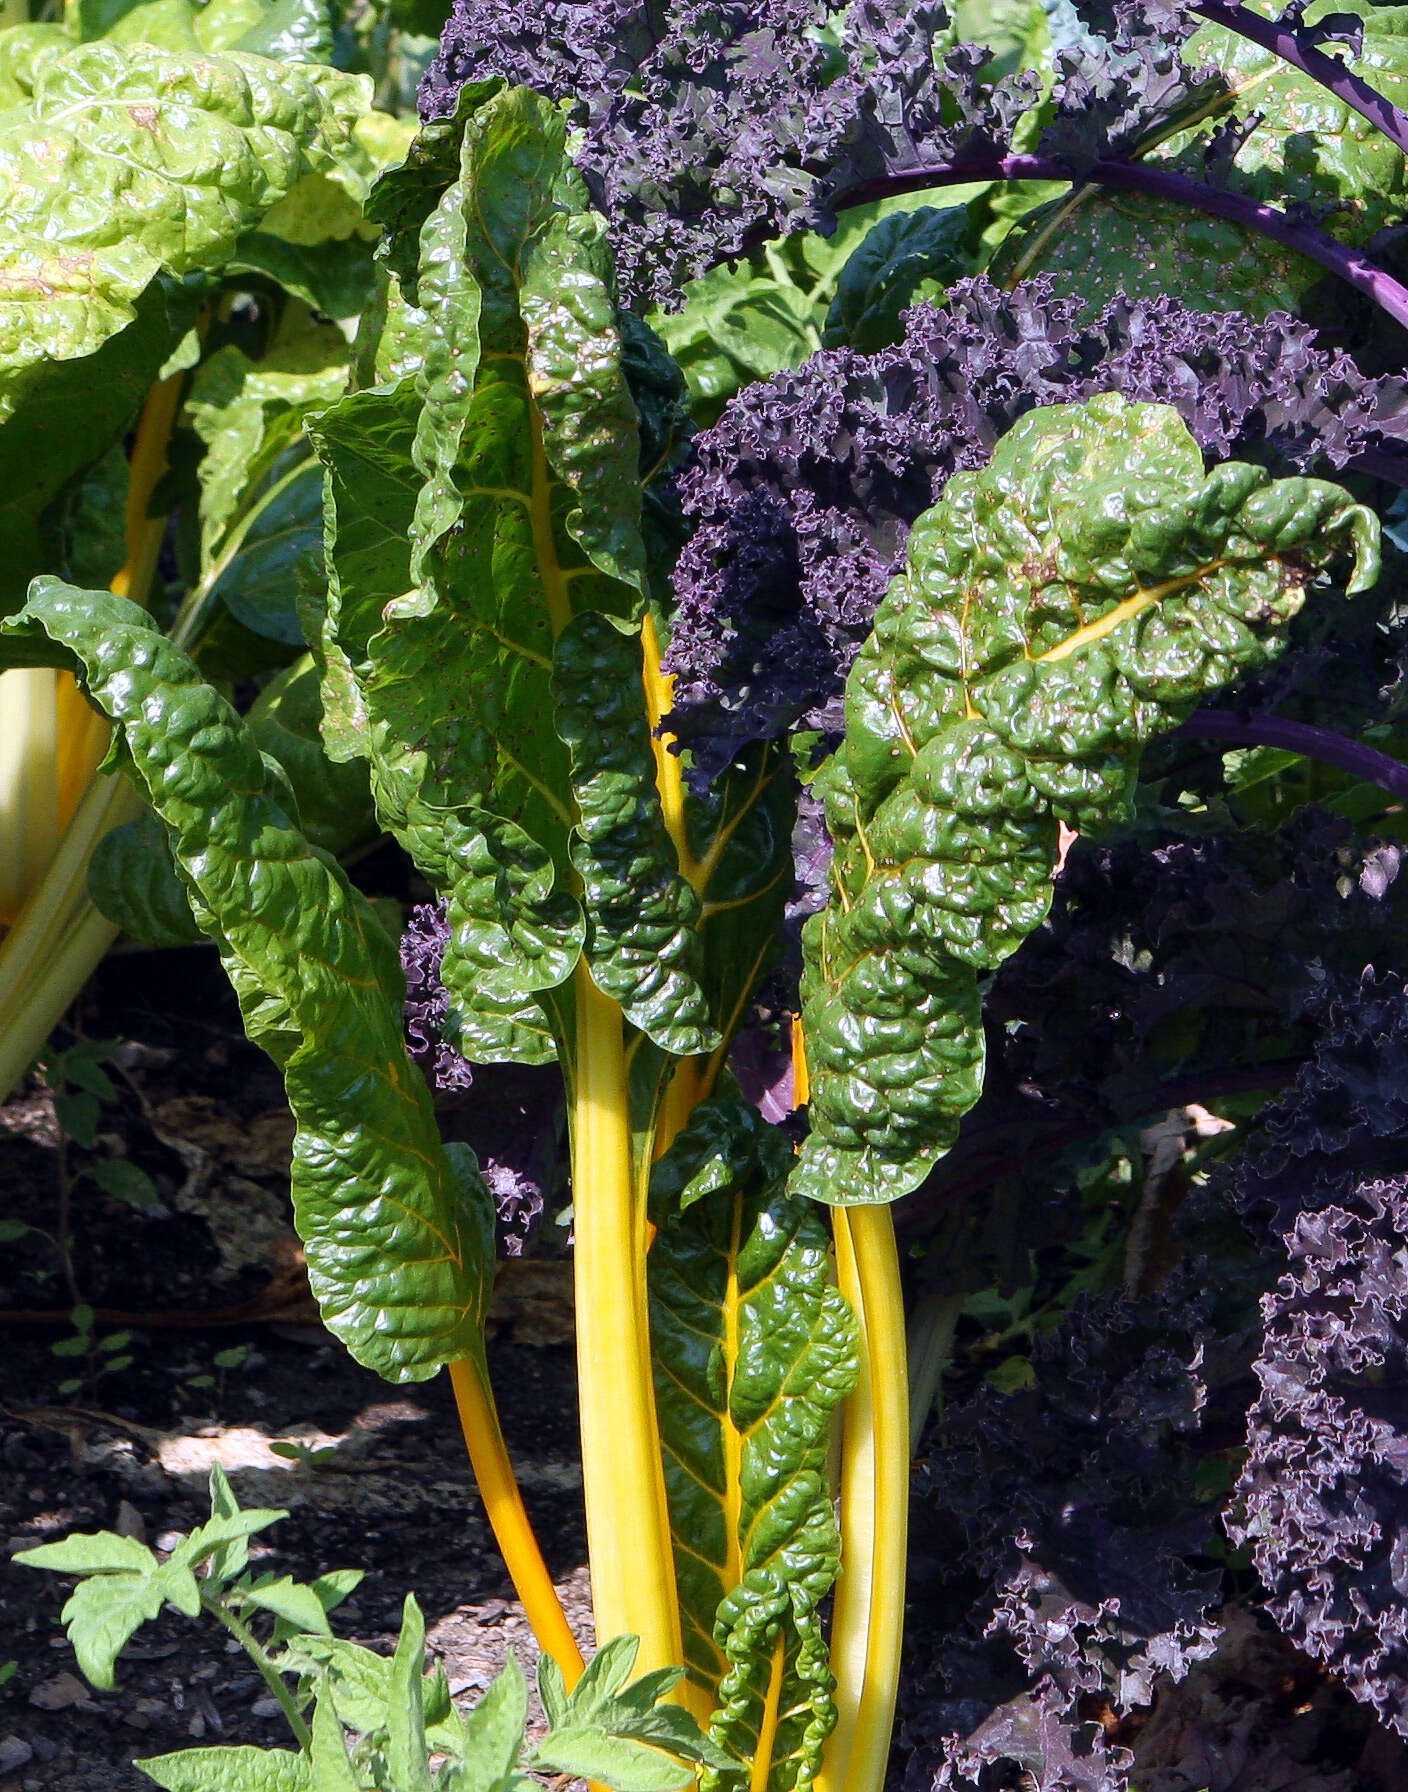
(754, 1350)
(1308, 148)
(524, 512)
(1059, 608)
(642, 917)
(396, 1227)
(131, 160)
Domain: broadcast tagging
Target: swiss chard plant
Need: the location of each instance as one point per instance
(990, 452)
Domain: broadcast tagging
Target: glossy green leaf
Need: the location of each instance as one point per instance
(754, 1350)
(397, 1228)
(63, 420)
(642, 917)
(1059, 608)
(234, 1767)
(130, 160)
(24, 51)
(905, 257)
(334, 801)
(132, 876)
(526, 513)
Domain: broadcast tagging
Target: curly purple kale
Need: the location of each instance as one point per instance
(708, 124)
(1075, 1503)
(1325, 1489)
(803, 492)
(516, 1151)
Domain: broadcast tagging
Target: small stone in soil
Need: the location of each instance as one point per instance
(266, 1708)
(15, 1752)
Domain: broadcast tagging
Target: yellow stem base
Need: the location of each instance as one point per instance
(868, 1625)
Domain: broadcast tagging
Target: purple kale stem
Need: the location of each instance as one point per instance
(1386, 292)
(1350, 756)
(1329, 71)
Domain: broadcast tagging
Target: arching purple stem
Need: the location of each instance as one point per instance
(1297, 48)
(1339, 750)
(1138, 177)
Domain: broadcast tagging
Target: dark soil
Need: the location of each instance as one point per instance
(383, 1484)
(203, 1113)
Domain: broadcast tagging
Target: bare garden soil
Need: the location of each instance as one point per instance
(371, 1476)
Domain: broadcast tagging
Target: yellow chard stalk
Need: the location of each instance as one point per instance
(54, 809)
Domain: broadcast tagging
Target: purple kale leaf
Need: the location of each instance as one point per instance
(1325, 1489)
(707, 124)
(803, 492)
(512, 1117)
(1346, 1116)
(1075, 1505)
(423, 944)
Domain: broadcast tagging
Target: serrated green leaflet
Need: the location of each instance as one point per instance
(641, 916)
(1059, 608)
(397, 1228)
(237, 1767)
(131, 160)
(754, 1350)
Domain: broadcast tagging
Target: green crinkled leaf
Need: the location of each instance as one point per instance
(754, 1350)
(904, 253)
(291, 31)
(642, 916)
(397, 1228)
(132, 875)
(1081, 594)
(334, 801)
(131, 160)
(441, 624)
(233, 1767)
(133, 881)
(24, 51)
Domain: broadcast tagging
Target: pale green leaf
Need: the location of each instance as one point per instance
(329, 1770)
(613, 1761)
(90, 1552)
(102, 1613)
(236, 1767)
(131, 160)
(406, 1756)
(289, 1599)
